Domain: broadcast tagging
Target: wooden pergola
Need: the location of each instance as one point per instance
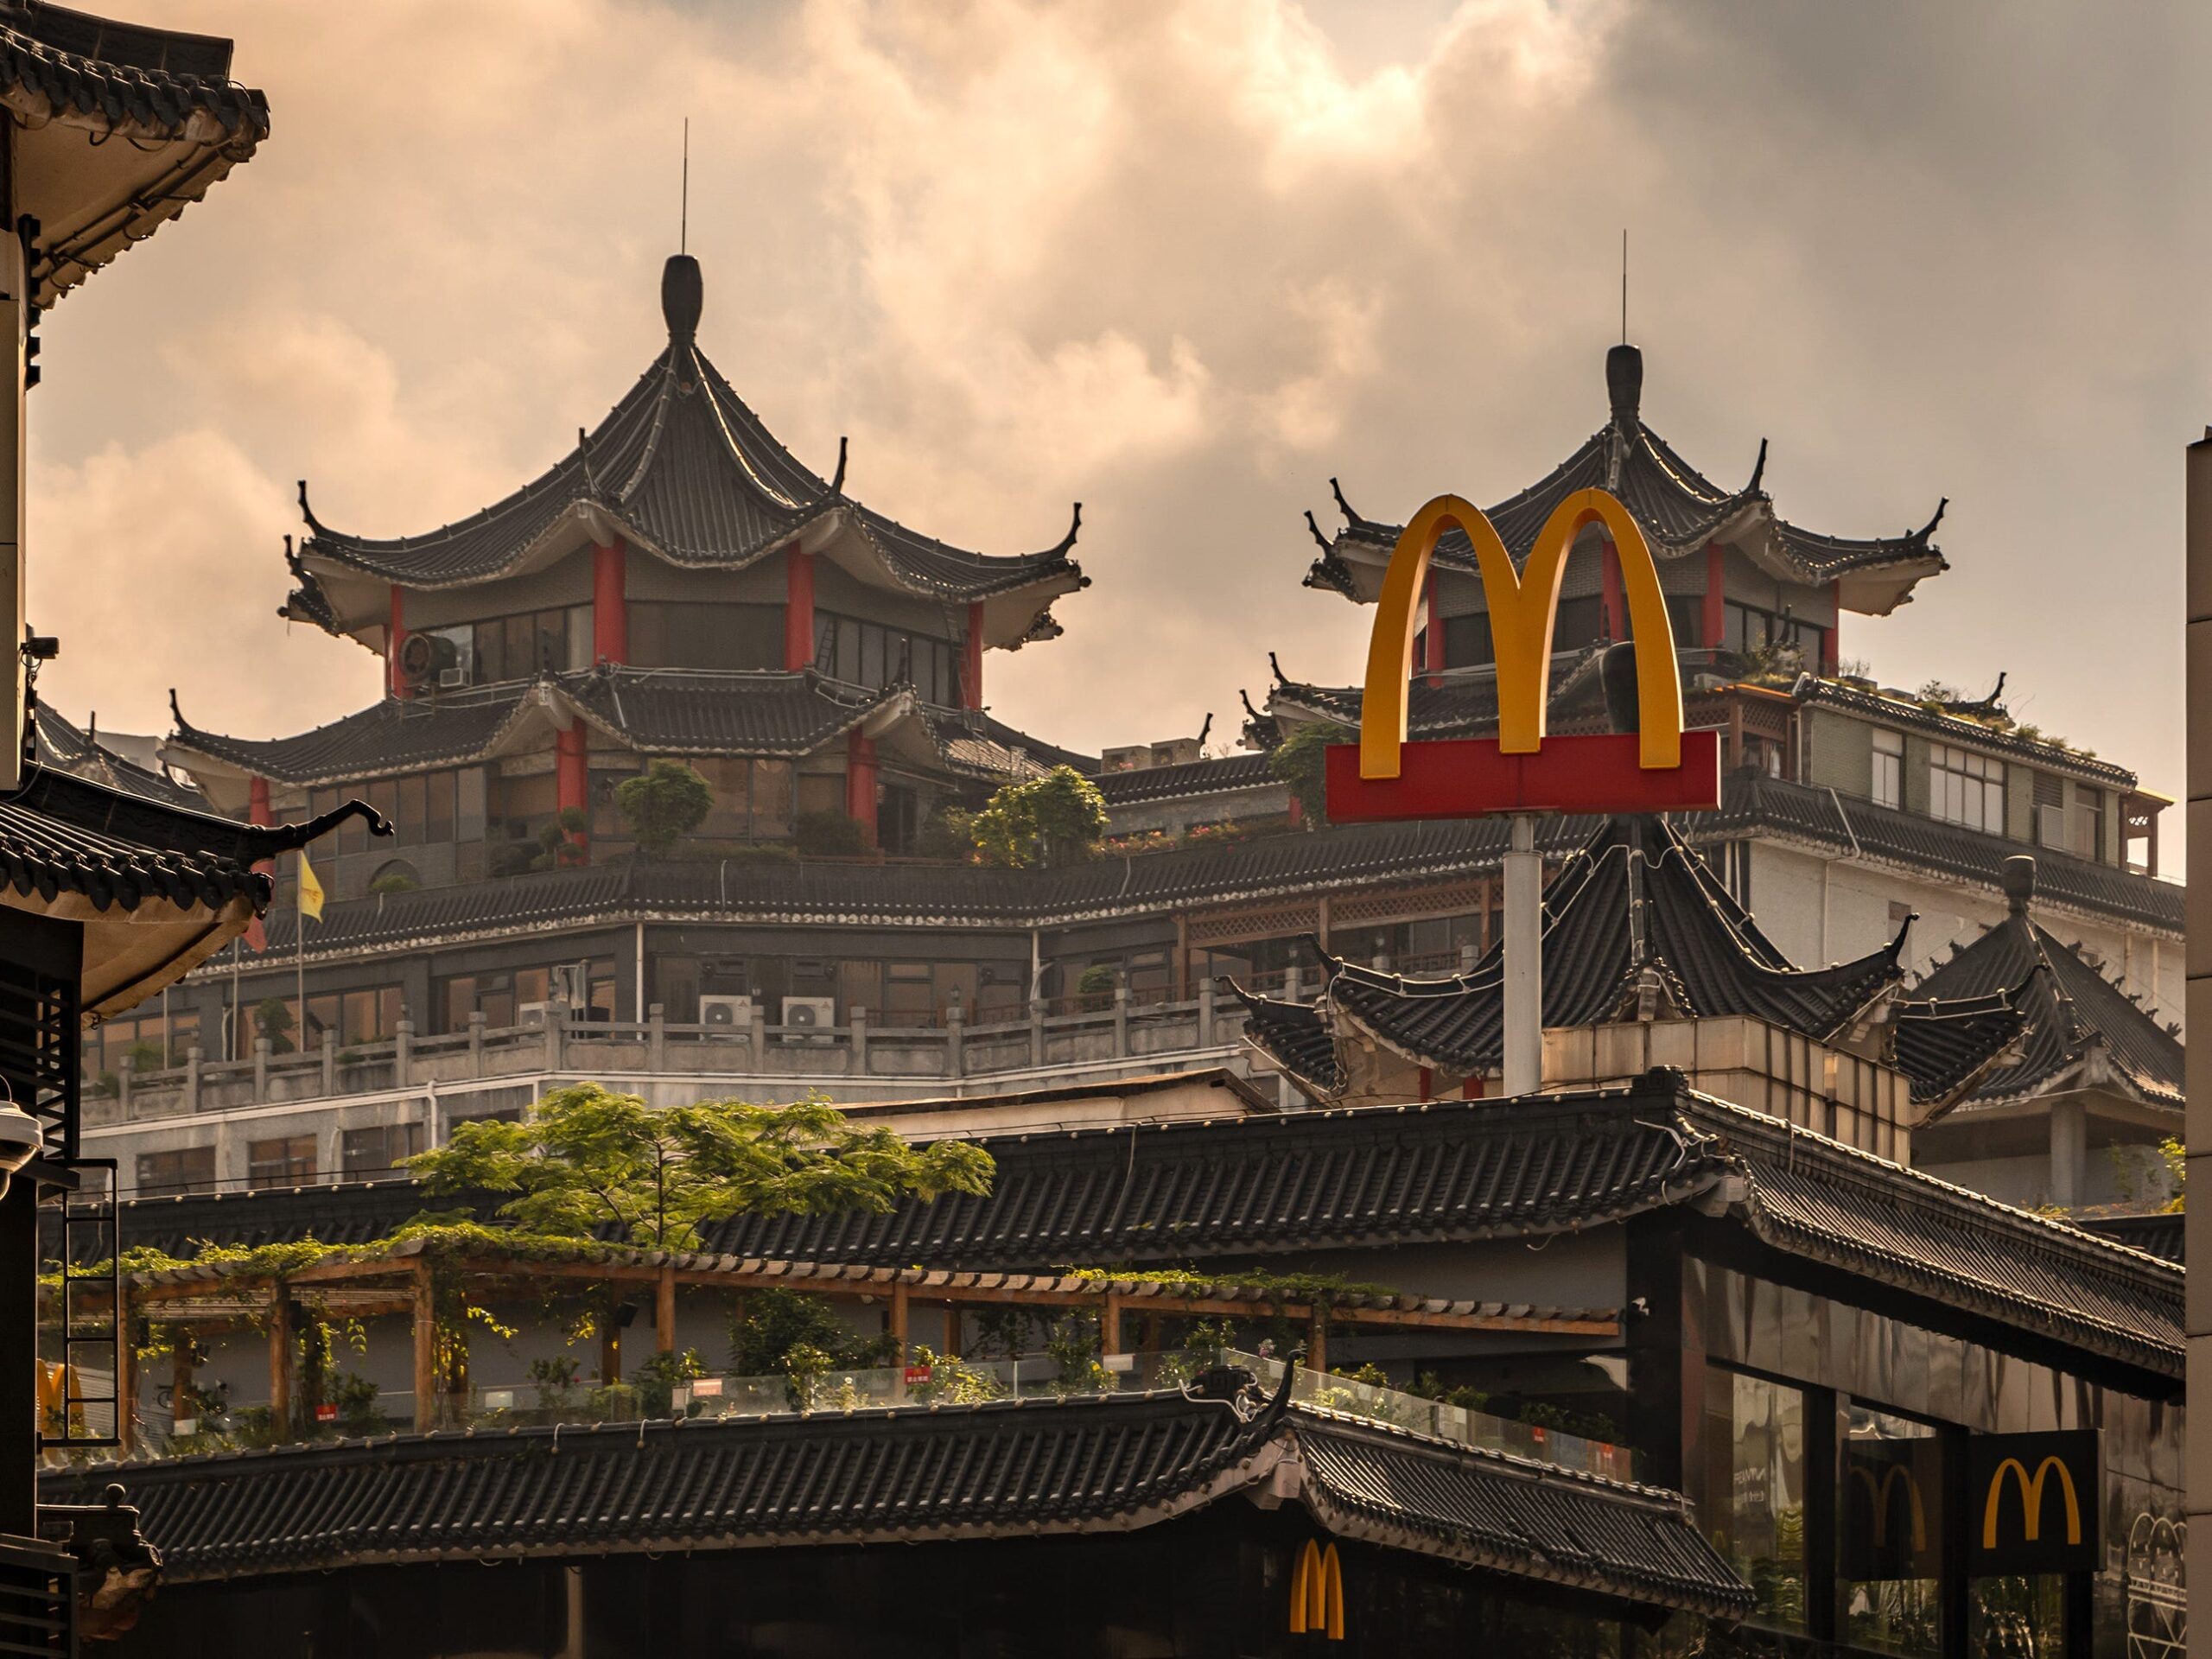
(405, 1280)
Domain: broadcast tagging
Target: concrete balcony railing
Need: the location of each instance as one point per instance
(1104, 1030)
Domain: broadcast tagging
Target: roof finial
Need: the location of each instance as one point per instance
(1075, 527)
(175, 712)
(307, 511)
(1320, 540)
(1625, 383)
(1758, 469)
(1204, 729)
(681, 295)
(1274, 667)
(838, 482)
(1928, 529)
(2017, 878)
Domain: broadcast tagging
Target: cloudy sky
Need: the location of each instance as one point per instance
(1184, 262)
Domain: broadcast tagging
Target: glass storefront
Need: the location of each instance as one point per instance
(1756, 1475)
(1889, 1529)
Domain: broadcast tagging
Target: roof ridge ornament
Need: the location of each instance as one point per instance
(307, 511)
(683, 296)
(837, 483)
(1928, 529)
(1624, 384)
(1758, 472)
(583, 455)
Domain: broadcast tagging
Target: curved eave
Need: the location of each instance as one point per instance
(107, 152)
(211, 755)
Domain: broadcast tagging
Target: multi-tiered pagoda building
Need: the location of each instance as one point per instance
(679, 586)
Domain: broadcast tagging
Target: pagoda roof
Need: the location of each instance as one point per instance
(1679, 509)
(1450, 703)
(1241, 1188)
(1333, 859)
(684, 470)
(1634, 909)
(68, 747)
(654, 711)
(2081, 1030)
(1984, 725)
(1101, 1464)
(75, 83)
(157, 888)
(1217, 774)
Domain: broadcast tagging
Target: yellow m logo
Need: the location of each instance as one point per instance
(1317, 1593)
(1878, 1495)
(2031, 1500)
(1523, 606)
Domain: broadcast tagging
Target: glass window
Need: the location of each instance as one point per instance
(1965, 788)
(2089, 838)
(185, 1169)
(289, 1161)
(377, 1151)
(1467, 641)
(1755, 1489)
(2020, 1616)
(1889, 769)
(437, 806)
(411, 818)
(1890, 1529)
(468, 804)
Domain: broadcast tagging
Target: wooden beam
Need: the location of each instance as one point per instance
(424, 1310)
(665, 1311)
(1317, 1344)
(1110, 1324)
(181, 1406)
(280, 1363)
(898, 1313)
(126, 1381)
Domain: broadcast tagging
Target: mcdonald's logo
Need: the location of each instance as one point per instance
(1657, 768)
(2053, 1526)
(1317, 1593)
(2030, 1500)
(1880, 1496)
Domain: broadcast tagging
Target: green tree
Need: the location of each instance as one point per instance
(663, 804)
(588, 1160)
(1297, 761)
(1056, 819)
(272, 1018)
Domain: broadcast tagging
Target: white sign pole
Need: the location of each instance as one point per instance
(1524, 960)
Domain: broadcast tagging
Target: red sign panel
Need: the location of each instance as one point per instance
(1472, 778)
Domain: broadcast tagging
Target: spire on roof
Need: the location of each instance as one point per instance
(683, 293)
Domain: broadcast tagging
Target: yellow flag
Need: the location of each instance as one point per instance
(310, 889)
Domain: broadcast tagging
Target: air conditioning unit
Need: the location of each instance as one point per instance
(805, 1016)
(532, 1014)
(728, 1012)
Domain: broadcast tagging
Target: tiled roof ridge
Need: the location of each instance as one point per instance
(1816, 688)
(1858, 1162)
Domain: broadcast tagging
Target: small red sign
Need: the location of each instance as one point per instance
(326, 1413)
(917, 1374)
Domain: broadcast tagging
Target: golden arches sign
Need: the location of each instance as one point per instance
(1317, 1593)
(1658, 768)
(1523, 606)
(2031, 1488)
(1878, 1495)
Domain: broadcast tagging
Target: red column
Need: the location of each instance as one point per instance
(1832, 641)
(256, 810)
(610, 603)
(971, 658)
(1616, 609)
(1716, 615)
(859, 782)
(396, 638)
(572, 782)
(799, 609)
(1433, 632)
